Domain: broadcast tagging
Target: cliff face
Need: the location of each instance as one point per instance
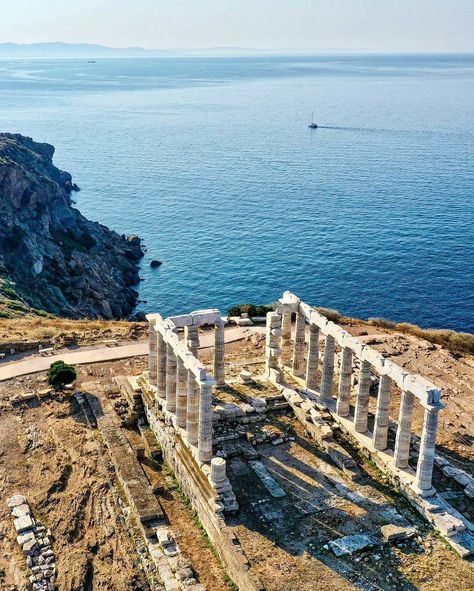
(51, 256)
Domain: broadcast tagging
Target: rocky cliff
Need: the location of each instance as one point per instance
(51, 257)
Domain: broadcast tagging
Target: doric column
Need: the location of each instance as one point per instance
(361, 412)
(402, 442)
(152, 353)
(298, 349)
(191, 337)
(192, 413)
(344, 393)
(205, 422)
(313, 357)
(379, 438)
(218, 470)
(181, 393)
(170, 379)
(328, 369)
(272, 342)
(424, 468)
(219, 351)
(286, 338)
(161, 378)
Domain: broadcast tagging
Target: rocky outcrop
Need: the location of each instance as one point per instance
(53, 257)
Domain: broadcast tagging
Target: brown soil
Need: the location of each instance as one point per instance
(49, 455)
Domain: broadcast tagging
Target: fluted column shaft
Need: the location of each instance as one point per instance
(272, 341)
(402, 442)
(205, 423)
(152, 353)
(424, 469)
(161, 378)
(298, 349)
(361, 413)
(327, 377)
(379, 438)
(219, 354)
(192, 412)
(313, 357)
(286, 338)
(191, 337)
(170, 379)
(344, 393)
(181, 393)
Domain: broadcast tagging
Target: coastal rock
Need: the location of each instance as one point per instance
(56, 259)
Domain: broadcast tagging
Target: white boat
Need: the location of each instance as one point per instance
(312, 124)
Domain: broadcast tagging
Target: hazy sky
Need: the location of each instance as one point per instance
(319, 25)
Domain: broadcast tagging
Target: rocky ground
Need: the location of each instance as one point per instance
(49, 454)
(51, 257)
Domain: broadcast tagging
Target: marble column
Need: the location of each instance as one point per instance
(161, 378)
(272, 342)
(170, 379)
(402, 442)
(181, 393)
(328, 369)
(152, 353)
(313, 357)
(205, 423)
(361, 413)
(192, 412)
(344, 393)
(218, 470)
(191, 337)
(379, 438)
(298, 349)
(219, 352)
(424, 468)
(286, 338)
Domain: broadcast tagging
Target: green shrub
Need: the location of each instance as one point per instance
(60, 374)
(251, 309)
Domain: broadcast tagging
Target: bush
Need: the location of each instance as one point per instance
(60, 374)
(332, 315)
(251, 309)
(382, 322)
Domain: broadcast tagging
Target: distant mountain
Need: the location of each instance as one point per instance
(88, 50)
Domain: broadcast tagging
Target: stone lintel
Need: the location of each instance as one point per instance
(306, 310)
(152, 318)
(354, 344)
(182, 320)
(376, 359)
(289, 298)
(318, 319)
(284, 308)
(201, 317)
(425, 391)
(335, 331)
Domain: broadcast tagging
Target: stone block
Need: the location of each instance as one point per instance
(210, 316)
(458, 475)
(448, 524)
(23, 523)
(25, 537)
(20, 510)
(182, 320)
(395, 533)
(349, 545)
(15, 501)
(374, 358)
(354, 344)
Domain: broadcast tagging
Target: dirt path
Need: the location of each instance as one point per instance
(35, 364)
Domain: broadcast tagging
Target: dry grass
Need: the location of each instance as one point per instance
(62, 331)
(458, 342)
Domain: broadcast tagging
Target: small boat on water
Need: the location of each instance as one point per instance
(312, 124)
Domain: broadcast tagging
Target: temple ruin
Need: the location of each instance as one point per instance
(327, 378)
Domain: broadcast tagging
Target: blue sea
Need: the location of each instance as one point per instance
(211, 161)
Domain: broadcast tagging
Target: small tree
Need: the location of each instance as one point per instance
(60, 374)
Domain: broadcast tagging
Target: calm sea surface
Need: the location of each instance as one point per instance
(211, 161)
